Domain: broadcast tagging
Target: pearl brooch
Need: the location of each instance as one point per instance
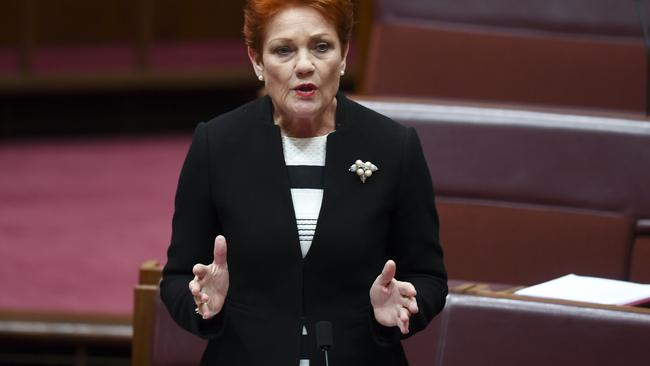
(363, 170)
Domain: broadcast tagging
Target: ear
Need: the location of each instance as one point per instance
(255, 61)
(345, 57)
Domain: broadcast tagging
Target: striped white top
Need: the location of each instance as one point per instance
(305, 160)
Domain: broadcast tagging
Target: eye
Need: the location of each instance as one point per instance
(322, 47)
(282, 50)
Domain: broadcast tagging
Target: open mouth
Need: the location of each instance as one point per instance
(306, 90)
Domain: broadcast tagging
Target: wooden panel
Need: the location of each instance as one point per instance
(198, 19)
(79, 21)
(446, 62)
(13, 56)
(144, 312)
(150, 273)
(201, 19)
(65, 327)
(10, 22)
(143, 319)
(640, 266)
(363, 14)
(122, 37)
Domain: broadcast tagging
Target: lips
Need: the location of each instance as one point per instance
(306, 90)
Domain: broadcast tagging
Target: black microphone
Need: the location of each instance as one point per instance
(324, 339)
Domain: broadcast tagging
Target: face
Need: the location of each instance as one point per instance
(301, 63)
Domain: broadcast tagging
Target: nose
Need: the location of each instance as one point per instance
(304, 63)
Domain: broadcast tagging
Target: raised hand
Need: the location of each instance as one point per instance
(210, 284)
(393, 301)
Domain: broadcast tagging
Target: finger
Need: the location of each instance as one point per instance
(194, 286)
(411, 305)
(195, 289)
(406, 327)
(204, 311)
(402, 325)
(201, 300)
(204, 298)
(404, 315)
(198, 302)
(207, 314)
(388, 273)
(404, 320)
(198, 296)
(406, 289)
(200, 270)
(220, 250)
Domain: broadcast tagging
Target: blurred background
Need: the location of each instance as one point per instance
(98, 100)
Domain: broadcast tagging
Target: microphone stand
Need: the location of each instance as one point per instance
(327, 361)
(324, 338)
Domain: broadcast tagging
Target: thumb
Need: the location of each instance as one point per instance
(220, 250)
(388, 273)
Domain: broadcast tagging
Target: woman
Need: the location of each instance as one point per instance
(313, 232)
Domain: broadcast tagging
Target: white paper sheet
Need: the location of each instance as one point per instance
(590, 289)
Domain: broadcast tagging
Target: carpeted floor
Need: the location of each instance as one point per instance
(79, 216)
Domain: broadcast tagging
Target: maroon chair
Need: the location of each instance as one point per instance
(578, 53)
(169, 339)
(497, 330)
(525, 196)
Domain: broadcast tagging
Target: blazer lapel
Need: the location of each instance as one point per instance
(272, 182)
(338, 158)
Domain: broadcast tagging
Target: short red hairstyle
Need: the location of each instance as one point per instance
(257, 13)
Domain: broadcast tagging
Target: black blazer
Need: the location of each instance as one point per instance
(234, 182)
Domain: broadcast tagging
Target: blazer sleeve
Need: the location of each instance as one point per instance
(414, 242)
(194, 227)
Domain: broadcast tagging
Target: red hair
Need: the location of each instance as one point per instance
(258, 12)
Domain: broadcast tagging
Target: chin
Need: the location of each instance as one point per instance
(306, 110)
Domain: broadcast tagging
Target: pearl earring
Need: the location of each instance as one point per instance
(260, 77)
(342, 72)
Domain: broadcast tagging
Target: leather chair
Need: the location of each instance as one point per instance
(169, 338)
(578, 53)
(525, 196)
(510, 330)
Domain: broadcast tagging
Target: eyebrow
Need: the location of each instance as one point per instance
(314, 36)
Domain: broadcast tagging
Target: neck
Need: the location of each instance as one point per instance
(311, 126)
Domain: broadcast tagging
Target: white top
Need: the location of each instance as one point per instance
(308, 151)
